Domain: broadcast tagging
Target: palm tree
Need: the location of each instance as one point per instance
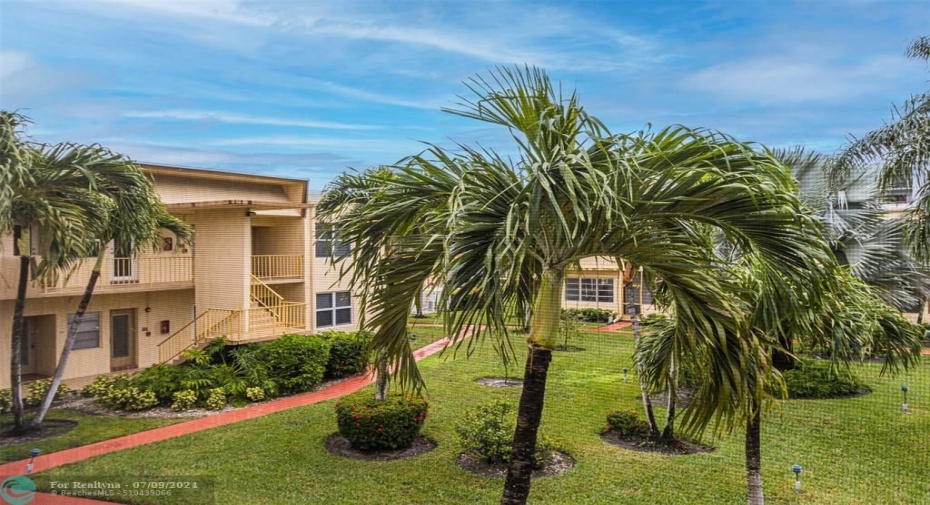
(500, 232)
(900, 149)
(859, 230)
(135, 223)
(79, 197)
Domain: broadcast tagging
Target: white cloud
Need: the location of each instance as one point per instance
(224, 117)
(380, 145)
(783, 79)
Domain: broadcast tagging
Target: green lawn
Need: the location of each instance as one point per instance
(90, 429)
(859, 450)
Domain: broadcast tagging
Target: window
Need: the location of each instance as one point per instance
(88, 332)
(333, 309)
(327, 244)
(589, 290)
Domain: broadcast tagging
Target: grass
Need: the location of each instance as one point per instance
(854, 451)
(90, 428)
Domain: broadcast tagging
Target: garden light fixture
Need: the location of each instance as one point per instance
(625, 370)
(32, 456)
(904, 390)
(797, 478)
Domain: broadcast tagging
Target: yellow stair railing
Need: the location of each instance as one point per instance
(211, 324)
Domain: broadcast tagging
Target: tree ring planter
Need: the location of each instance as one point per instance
(643, 443)
(50, 428)
(340, 446)
(568, 348)
(559, 464)
(500, 382)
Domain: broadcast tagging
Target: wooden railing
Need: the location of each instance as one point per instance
(278, 266)
(212, 323)
(235, 326)
(141, 270)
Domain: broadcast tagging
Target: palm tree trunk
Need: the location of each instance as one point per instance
(754, 457)
(647, 402)
(16, 341)
(69, 341)
(544, 332)
(381, 380)
(668, 433)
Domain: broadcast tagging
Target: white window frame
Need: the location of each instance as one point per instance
(589, 289)
(327, 243)
(334, 309)
(90, 325)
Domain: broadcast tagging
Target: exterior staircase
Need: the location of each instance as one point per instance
(269, 316)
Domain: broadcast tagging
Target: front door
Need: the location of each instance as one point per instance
(28, 349)
(122, 339)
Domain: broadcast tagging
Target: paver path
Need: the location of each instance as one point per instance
(615, 326)
(68, 456)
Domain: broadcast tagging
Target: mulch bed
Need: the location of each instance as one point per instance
(643, 443)
(500, 382)
(559, 464)
(50, 428)
(340, 446)
(567, 348)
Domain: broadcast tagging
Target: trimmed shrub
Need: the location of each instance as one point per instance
(296, 362)
(97, 388)
(372, 425)
(626, 423)
(486, 432)
(6, 401)
(128, 398)
(183, 400)
(255, 394)
(813, 378)
(589, 315)
(38, 389)
(347, 353)
(216, 400)
(162, 380)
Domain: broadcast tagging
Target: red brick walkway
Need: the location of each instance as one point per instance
(615, 326)
(69, 456)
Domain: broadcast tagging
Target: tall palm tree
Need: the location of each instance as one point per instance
(79, 198)
(501, 232)
(900, 149)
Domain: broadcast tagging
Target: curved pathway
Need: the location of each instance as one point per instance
(69, 456)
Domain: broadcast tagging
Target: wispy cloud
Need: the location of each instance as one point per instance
(226, 117)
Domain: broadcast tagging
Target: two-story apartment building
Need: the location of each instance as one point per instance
(257, 269)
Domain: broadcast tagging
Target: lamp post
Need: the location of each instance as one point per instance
(32, 456)
(797, 478)
(904, 390)
(625, 370)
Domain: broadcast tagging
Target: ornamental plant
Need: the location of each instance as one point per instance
(485, 432)
(38, 390)
(626, 423)
(216, 400)
(371, 425)
(183, 400)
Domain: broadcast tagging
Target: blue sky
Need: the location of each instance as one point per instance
(308, 88)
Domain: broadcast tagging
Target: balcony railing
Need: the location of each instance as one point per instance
(144, 270)
(278, 266)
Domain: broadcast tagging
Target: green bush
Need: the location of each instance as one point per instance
(296, 362)
(589, 315)
(183, 400)
(626, 423)
(162, 380)
(216, 400)
(6, 401)
(347, 353)
(128, 398)
(38, 389)
(486, 432)
(97, 388)
(813, 378)
(371, 425)
(255, 394)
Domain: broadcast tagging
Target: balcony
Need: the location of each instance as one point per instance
(278, 266)
(142, 273)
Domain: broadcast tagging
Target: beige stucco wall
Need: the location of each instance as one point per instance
(173, 306)
(222, 259)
